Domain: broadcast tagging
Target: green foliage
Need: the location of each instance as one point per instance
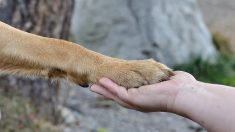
(102, 130)
(221, 72)
(19, 115)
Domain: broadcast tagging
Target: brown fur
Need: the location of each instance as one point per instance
(29, 55)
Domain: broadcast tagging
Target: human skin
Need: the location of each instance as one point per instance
(210, 105)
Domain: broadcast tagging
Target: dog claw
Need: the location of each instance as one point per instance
(84, 85)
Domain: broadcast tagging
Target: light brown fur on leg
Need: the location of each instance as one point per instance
(29, 55)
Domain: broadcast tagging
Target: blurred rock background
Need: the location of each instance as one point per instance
(172, 32)
(169, 31)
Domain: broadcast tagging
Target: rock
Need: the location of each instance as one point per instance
(69, 117)
(169, 31)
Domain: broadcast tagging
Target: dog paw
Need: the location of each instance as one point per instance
(132, 74)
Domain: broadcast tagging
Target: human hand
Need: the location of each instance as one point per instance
(201, 102)
(149, 98)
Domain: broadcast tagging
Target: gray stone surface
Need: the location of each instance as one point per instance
(170, 31)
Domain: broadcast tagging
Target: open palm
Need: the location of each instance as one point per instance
(149, 98)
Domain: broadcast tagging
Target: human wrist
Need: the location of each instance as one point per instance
(195, 102)
(187, 97)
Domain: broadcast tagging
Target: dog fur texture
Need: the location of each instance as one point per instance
(26, 54)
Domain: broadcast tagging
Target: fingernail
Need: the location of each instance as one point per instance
(92, 88)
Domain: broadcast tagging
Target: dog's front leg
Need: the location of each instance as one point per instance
(26, 54)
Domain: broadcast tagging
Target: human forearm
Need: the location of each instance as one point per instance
(208, 105)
